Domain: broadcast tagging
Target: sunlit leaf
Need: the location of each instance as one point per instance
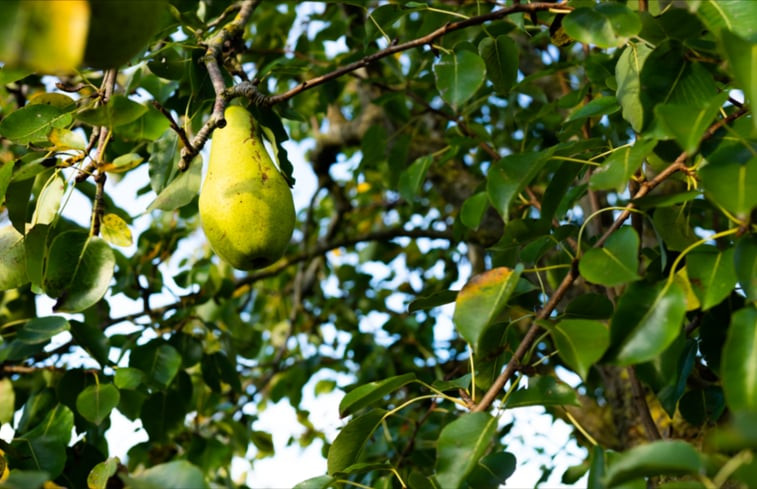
(412, 177)
(13, 264)
(175, 474)
(712, 274)
(123, 163)
(115, 230)
(667, 457)
(473, 209)
(460, 446)
(616, 171)
(739, 363)
(100, 473)
(616, 262)
(96, 402)
(687, 123)
(731, 184)
(482, 299)
(458, 76)
(181, 190)
(580, 342)
(543, 391)
(627, 73)
(606, 25)
(646, 321)
(32, 124)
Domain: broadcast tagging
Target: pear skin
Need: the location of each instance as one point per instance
(246, 206)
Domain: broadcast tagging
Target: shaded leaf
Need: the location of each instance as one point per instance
(580, 342)
(606, 25)
(412, 177)
(492, 471)
(602, 105)
(667, 457)
(745, 261)
(501, 58)
(473, 209)
(712, 274)
(178, 474)
(509, 176)
(367, 394)
(13, 264)
(687, 123)
(117, 111)
(731, 185)
(40, 330)
(94, 272)
(433, 300)
(616, 171)
(482, 299)
(160, 362)
(461, 445)
(349, 443)
(627, 77)
(181, 190)
(543, 391)
(742, 56)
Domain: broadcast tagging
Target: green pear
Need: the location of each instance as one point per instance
(246, 206)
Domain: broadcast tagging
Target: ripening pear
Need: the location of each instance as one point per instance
(246, 206)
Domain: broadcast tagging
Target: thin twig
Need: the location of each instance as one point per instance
(639, 399)
(174, 125)
(250, 91)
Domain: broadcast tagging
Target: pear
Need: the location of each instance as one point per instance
(246, 206)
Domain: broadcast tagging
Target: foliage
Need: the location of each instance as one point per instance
(579, 180)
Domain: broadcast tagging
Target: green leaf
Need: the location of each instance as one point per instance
(100, 473)
(128, 378)
(65, 252)
(739, 361)
(178, 474)
(433, 300)
(616, 262)
(745, 261)
(7, 401)
(164, 154)
(580, 342)
(616, 171)
(412, 177)
(13, 264)
(667, 457)
(57, 425)
(509, 176)
(492, 471)
(96, 402)
(160, 362)
(25, 479)
(41, 453)
(217, 368)
(458, 76)
(35, 247)
(543, 391)
(461, 444)
(731, 185)
(712, 274)
(687, 123)
(319, 482)
(646, 321)
(734, 15)
(161, 414)
(742, 56)
(40, 330)
(349, 443)
(602, 105)
(32, 123)
(117, 111)
(367, 394)
(672, 224)
(94, 272)
(181, 190)
(606, 25)
(482, 299)
(49, 200)
(501, 58)
(473, 209)
(148, 127)
(6, 172)
(627, 77)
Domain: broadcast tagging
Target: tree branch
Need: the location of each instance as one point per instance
(250, 91)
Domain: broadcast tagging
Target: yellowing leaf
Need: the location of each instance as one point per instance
(64, 139)
(115, 230)
(123, 163)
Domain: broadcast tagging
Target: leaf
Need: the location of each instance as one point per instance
(32, 123)
(164, 154)
(117, 111)
(40, 330)
(501, 58)
(123, 163)
(606, 25)
(739, 361)
(161, 414)
(482, 299)
(100, 473)
(473, 209)
(602, 105)
(672, 224)
(39, 454)
(733, 15)
(461, 444)
(13, 264)
(65, 139)
(666, 457)
(712, 274)
(580, 342)
(319, 482)
(543, 391)
(349, 443)
(115, 230)
(63, 256)
(433, 300)
(160, 362)
(742, 56)
(96, 402)
(94, 272)
(616, 171)
(128, 378)
(367, 394)
(458, 76)
(646, 321)
(412, 178)
(616, 262)
(49, 200)
(627, 77)
(687, 123)
(178, 474)
(7, 401)
(509, 176)
(492, 471)
(731, 185)
(181, 190)
(92, 339)
(745, 261)
(6, 172)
